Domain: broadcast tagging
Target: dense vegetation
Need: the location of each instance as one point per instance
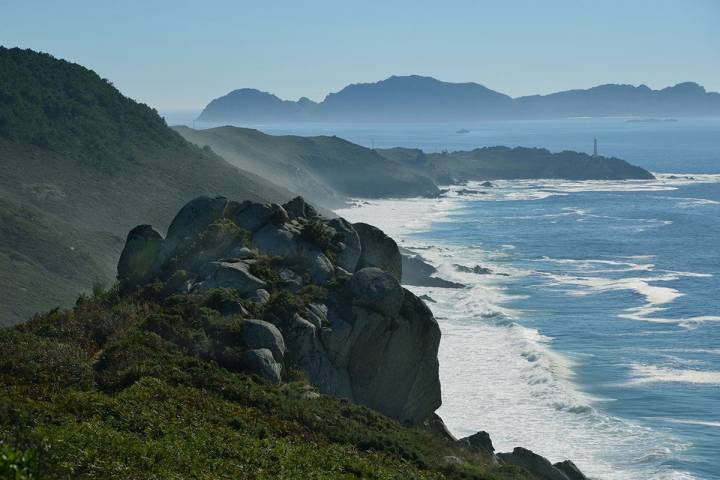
(82, 164)
(63, 107)
(144, 385)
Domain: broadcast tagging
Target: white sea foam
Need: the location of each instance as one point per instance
(684, 421)
(506, 379)
(695, 202)
(654, 374)
(540, 189)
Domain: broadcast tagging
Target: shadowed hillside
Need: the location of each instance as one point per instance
(324, 169)
(81, 164)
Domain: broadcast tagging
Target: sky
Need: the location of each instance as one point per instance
(179, 55)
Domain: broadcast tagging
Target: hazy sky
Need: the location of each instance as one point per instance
(182, 54)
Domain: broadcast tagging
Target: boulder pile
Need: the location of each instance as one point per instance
(317, 295)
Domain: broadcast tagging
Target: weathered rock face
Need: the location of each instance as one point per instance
(377, 290)
(378, 250)
(349, 254)
(480, 441)
(363, 336)
(142, 246)
(570, 470)
(299, 208)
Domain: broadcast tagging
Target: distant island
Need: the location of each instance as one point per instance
(424, 99)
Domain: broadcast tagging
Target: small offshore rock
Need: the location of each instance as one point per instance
(477, 269)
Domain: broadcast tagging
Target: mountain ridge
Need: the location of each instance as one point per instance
(415, 98)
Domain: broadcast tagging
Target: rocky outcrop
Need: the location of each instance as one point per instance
(538, 466)
(142, 246)
(325, 293)
(295, 291)
(378, 250)
(571, 471)
(480, 441)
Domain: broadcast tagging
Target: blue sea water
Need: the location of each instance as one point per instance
(602, 343)
(597, 337)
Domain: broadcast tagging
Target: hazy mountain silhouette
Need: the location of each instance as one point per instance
(416, 99)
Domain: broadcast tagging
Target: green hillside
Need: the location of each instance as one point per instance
(323, 169)
(81, 165)
(126, 387)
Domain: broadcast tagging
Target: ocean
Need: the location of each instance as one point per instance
(597, 336)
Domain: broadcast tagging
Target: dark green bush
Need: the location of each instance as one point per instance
(16, 465)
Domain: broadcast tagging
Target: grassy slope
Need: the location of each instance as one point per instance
(89, 164)
(128, 387)
(514, 163)
(322, 168)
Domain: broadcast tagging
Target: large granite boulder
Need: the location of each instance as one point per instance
(235, 275)
(262, 363)
(377, 290)
(191, 220)
(251, 216)
(260, 334)
(137, 259)
(378, 250)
